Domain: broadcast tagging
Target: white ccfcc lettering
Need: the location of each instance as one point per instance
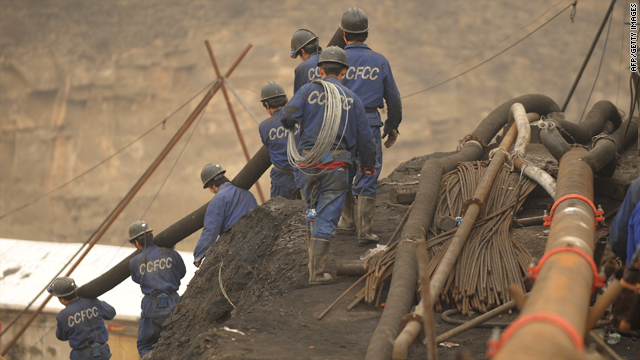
(272, 134)
(142, 269)
(348, 74)
(94, 311)
(162, 266)
(366, 72)
(314, 73)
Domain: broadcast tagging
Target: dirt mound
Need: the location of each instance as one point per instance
(273, 231)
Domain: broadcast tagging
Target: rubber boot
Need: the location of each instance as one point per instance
(366, 209)
(318, 254)
(347, 222)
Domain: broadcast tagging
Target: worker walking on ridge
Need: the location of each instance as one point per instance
(158, 270)
(226, 207)
(369, 76)
(332, 125)
(304, 43)
(274, 137)
(82, 321)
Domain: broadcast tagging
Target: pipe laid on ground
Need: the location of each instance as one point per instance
(605, 148)
(563, 285)
(177, 232)
(402, 288)
(441, 274)
(602, 304)
(477, 321)
(595, 122)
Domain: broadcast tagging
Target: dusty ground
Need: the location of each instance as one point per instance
(264, 273)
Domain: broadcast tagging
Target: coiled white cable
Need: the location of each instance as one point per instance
(328, 132)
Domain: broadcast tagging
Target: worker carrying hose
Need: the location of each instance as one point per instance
(369, 76)
(158, 270)
(332, 124)
(304, 44)
(82, 321)
(227, 206)
(274, 137)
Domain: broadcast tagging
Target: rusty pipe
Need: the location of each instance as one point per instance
(600, 307)
(563, 285)
(440, 276)
(351, 268)
(428, 321)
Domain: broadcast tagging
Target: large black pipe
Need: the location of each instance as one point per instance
(177, 232)
(405, 271)
(605, 149)
(337, 39)
(595, 122)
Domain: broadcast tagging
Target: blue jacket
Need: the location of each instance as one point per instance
(76, 319)
(306, 108)
(633, 239)
(306, 71)
(370, 77)
(275, 137)
(226, 207)
(157, 270)
(620, 225)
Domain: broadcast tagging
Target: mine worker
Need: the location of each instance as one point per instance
(369, 76)
(304, 43)
(329, 105)
(227, 206)
(82, 321)
(158, 270)
(274, 137)
(620, 226)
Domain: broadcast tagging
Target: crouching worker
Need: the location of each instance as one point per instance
(229, 204)
(82, 321)
(333, 125)
(158, 270)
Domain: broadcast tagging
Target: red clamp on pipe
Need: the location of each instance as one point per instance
(598, 214)
(494, 346)
(598, 281)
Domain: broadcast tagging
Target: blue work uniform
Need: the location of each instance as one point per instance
(226, 207)
(369, 76)
(633, 239)
(324, 186)
(306, 71)
(82, 323)
(620, 225)
(275, 138)
(158, 270)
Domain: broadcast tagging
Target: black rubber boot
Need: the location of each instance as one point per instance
(366, 210)
(347, 222)
(318, 254)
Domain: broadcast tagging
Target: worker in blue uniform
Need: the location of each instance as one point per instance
(274, 137)
(369, 76)
(332, 124)
(226, 207)
(304, 44)
(620, 226)
(158, 270)
(82, 321)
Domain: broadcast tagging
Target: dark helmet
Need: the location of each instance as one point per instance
(138, 228)
(62, 286)
(333, 54)
(301, 38)
(270, 90)
(211, 172)
(354, 21)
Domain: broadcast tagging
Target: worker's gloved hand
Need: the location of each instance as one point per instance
(197, 263)
(287, 120)
(393, 136)
(369, 170)
(626, 308)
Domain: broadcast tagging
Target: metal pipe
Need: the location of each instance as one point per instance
(232, 113)
(586, 59)
(602, 116)
(600, 307)
(177, 232)
(441, 274)
(564, 283)
(402, 288)
(428, 321)
(605, 149)
(530, 221)
(351, 268)
(477, 321)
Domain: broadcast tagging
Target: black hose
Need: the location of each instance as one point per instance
(605, 149)
(595, 122)
(337, 39)
(177, 232)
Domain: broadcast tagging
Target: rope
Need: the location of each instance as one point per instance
(222, 287)
(246, 107)
(328, 131)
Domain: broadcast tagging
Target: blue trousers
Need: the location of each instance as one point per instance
(368, 185)
(149, 333)
(324, 190)
(283, 184)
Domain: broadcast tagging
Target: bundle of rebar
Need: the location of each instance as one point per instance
(491, 260)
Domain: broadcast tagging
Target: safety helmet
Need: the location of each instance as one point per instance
(62, 286)
(354, 21)
(211, 172)
(270, 90)
(334, 54)
(138, 228)
(301, 38)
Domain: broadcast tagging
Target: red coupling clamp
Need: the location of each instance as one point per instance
(597, 213)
